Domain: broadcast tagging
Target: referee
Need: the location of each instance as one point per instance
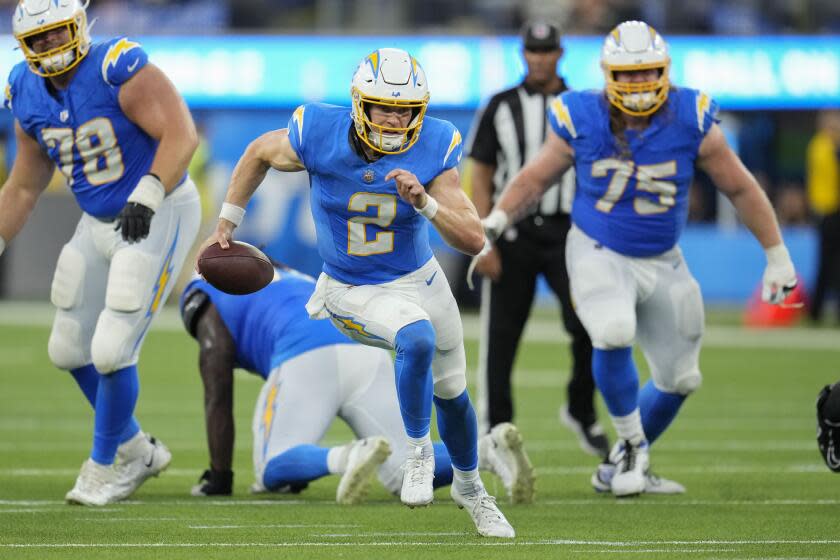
(507, 133)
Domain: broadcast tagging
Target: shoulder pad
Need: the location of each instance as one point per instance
(454, 150)
(121, 60)
(560, 117)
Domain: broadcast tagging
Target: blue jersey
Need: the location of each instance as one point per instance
(271, 326)
(367, 234)
(635, 205)
(83, 129)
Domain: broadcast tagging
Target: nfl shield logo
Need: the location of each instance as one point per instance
(368, 176)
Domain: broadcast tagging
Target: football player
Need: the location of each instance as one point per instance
(313, 373)
(634, 147)
(828, 422)
(379, 170)
(121, 135)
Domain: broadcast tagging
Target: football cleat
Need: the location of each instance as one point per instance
(631, 464)
(488, 519)
(138, 459)
(591, 437)
(363, 460)
(501, 452)
(214, 483)
(602, 480)
(418, 474)
(95, 485)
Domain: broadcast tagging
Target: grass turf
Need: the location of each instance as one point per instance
(743, 445)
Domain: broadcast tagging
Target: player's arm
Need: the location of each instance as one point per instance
(272, 150)
(30, 175)
(446, 205)
(732, 178)
(217, 356)
(151, 102)
(554, 158)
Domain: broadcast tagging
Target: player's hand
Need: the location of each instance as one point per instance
(223, 236)
(408, 187)
(779, 277)
(495, 224)
(214, 483)
(134, 221)
(490, 265)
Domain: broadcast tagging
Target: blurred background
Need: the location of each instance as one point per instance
(244, 65)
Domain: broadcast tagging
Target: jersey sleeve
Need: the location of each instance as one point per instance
(299, 126)
(123, 58)
(560, 116)
(483, 141)
(454, 149)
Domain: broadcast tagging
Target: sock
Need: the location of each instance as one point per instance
(337, 458)
(443, 466)
(88, 379)
(459, 430)
(629, 427)
(467, 482)
(415, 345)
(116, 397)
(617, 379)
(424, 442)
(658, 409)
(299, 464)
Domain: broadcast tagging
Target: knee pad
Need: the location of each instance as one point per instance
(112, 347)
(130, 280)
(687, 383)
(69, 278)
(65, 348)
(614, 332)
(449, 373)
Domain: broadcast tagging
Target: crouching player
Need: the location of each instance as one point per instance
(313, 373)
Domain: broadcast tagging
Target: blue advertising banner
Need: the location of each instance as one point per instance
(779, 72)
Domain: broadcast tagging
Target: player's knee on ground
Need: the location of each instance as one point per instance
(66, 348)
(682, 384)
(449, 372)
(614, 331)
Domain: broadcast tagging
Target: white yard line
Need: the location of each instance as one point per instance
(271, 526)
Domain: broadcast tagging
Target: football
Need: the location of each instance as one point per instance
(240, 269)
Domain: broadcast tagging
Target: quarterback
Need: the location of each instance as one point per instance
(378, 171)
(312, 374)
(634, 147)
(122, 137)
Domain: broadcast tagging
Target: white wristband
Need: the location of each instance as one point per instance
(777, 255)
(232, 213)
(495, 224)
(149, 192)
(2, 245)
(430, 209)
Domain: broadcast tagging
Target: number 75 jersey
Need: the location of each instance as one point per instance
(101, 153)
(634, 199)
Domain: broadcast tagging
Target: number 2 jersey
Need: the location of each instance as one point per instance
(636, 202)
(367, 234)
(83, 129)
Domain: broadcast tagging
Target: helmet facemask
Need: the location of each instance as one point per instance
(387, 139)
(638, 99)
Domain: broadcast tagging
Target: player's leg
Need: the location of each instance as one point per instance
(296, 406)
(505, 306)
(455, 415)
(140, 278)
(604, 289)
(578, 414)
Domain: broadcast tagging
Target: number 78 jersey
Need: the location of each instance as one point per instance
(637, 203)
(101, 153)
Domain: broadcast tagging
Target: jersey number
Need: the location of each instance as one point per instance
(97, 145)
(647, 179)
(386, 210)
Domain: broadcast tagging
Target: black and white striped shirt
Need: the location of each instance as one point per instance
(508, 132)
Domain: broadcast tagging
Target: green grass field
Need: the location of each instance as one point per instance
(743, 445)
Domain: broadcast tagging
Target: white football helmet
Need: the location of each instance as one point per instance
(634, 45)
(389, 77)
(33, 17)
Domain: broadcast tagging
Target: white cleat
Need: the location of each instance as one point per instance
(94, 486)
(364, 458)
(501, 453)
(418, 474)
(602, 479)
(488, 519)
(631, 465)
(138, 459)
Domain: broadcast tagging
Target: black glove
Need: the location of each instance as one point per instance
(134, 220)
(214, 483)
